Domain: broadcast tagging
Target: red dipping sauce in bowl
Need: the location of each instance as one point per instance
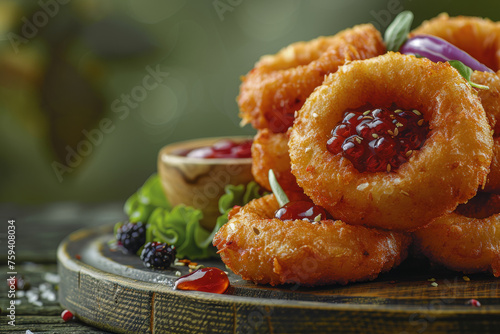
(223, 149)
(196, 172)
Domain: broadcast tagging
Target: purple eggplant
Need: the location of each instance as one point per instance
(437, 49)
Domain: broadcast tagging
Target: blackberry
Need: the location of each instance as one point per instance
(131, 237)
(158, 255)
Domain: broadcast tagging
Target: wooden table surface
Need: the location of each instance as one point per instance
(39, 230)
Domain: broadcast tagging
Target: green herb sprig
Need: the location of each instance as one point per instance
(278, 192)
(466, 72)
(397, 32)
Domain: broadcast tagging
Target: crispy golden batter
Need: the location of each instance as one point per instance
(480, 38)
(477, 36)
(446, 171)
(279, 84)
(270, 151)
(490, 98)
(463, 243)
(267, 250)
(493, 178)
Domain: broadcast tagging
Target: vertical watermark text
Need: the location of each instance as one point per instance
(11, 273)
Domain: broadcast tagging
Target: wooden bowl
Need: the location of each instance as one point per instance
(200, 182)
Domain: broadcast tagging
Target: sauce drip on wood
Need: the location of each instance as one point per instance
(206, 279)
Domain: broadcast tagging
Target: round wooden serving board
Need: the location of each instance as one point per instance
(115, 292)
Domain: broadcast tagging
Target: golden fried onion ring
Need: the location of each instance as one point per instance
(480, 38)
(477, 36)
(270, 151)
(446, 171)
(490, 99)
(462, 243)
(279, 84)
(267, 250)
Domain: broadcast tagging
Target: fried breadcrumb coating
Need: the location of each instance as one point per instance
(267, 250)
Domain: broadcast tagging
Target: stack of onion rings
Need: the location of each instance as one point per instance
(279, 84)
(481, 39)
(445, 172)
(468, 240)
(267, 250)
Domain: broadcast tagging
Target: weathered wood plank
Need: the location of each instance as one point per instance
(48, 324)
(54, 222)
(38, 319)
(115, 292)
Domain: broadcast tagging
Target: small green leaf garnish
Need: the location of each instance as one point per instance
(466, 72)
(397, 32)
(277, 190)
(317, 218)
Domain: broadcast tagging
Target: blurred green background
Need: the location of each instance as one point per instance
(99, 86)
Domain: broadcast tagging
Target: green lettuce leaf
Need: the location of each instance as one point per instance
(142, 203)
(238, 195)
(151, 193)
(180, 225)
